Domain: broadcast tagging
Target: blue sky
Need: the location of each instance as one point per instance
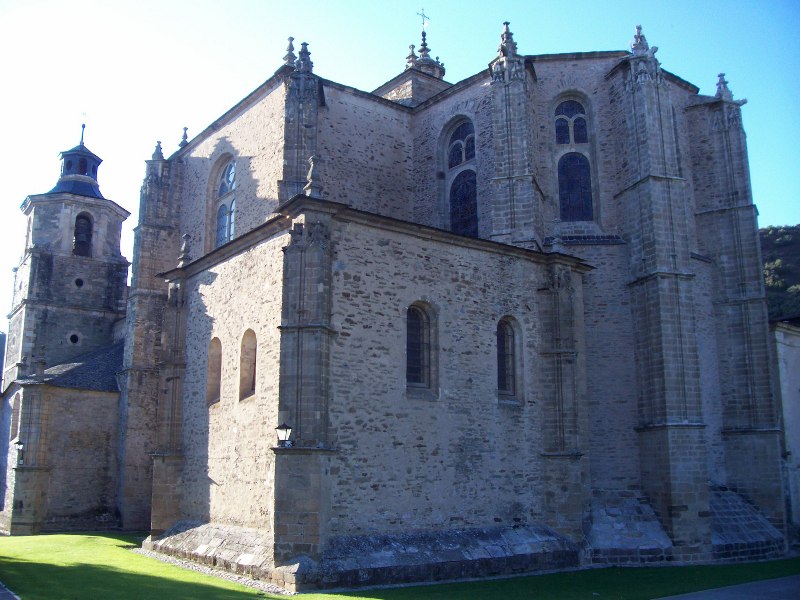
(142, 70)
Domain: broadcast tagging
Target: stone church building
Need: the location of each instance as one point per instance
(514, 323)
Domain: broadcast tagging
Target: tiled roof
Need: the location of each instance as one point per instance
(96, 371)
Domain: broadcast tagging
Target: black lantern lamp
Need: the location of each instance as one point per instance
(284, 431)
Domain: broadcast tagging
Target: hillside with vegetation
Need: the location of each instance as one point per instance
(780, 251)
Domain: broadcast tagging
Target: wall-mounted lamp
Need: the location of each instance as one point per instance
(20, 454)
(284, 431)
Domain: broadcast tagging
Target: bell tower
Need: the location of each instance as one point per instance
(70, 286)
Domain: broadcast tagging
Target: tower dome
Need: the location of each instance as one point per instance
(79, 172)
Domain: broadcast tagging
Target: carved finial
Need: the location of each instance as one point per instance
(157, 153)
(424, 51)
(184, 257)
(411, 59)
(723, 91)
(508, 47)
(185, 138)
(83, 129)
(290, 58)
(425, 63)
(313, 189)
(639, 45)
(304, 64)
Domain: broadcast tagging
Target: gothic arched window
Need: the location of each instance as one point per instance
(571, 123)
(506, 359)
(214, 375)
(575, 187)
(574, 169)
(225, 214)
(462, 189)
(247, 364)
(82, 239)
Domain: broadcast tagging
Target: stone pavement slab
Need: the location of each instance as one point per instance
(785, 588)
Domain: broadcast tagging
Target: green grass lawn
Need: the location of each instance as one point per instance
(102, 567)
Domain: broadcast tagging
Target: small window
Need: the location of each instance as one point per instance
(15, 411)
(82, 240)
(214, 371)
(247, 365)
(418, 348)
(506, 359)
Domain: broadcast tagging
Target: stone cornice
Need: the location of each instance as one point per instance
(300, 204)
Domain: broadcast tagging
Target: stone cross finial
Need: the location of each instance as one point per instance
(184, 257)
(313, 189)
(290, 58)
(723, 91)
(185, 138)
(157, 153)
(304, 64)
(508, 47)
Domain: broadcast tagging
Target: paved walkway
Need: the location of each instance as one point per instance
(5, 594)
(785, 588)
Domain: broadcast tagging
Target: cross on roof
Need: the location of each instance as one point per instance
(424, 17)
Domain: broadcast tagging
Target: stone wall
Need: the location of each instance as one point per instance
(435, 442)
(252, 137)
(365, 151)
(228, 464)
(81, 457)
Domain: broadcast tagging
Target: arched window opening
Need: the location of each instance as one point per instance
(247, 365)
(226, 210)
(506, 359)
(464, 204)
(571, 127)
(82, 240)
(15, 412)
(83, 168)
(462, 145)
(214, 376)
(575, 187)
(462, 189)
(418, 347)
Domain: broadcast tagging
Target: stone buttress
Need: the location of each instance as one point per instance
(654, 197)
(514, 191)
(564, 427)
(728, 219)
(155, 246)
(301, 495)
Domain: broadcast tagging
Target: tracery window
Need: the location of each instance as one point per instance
(247, 365)
(82, 240)
(226, 209)
(462, 189)
(571, 123)
(574, 169)
(214, 375)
